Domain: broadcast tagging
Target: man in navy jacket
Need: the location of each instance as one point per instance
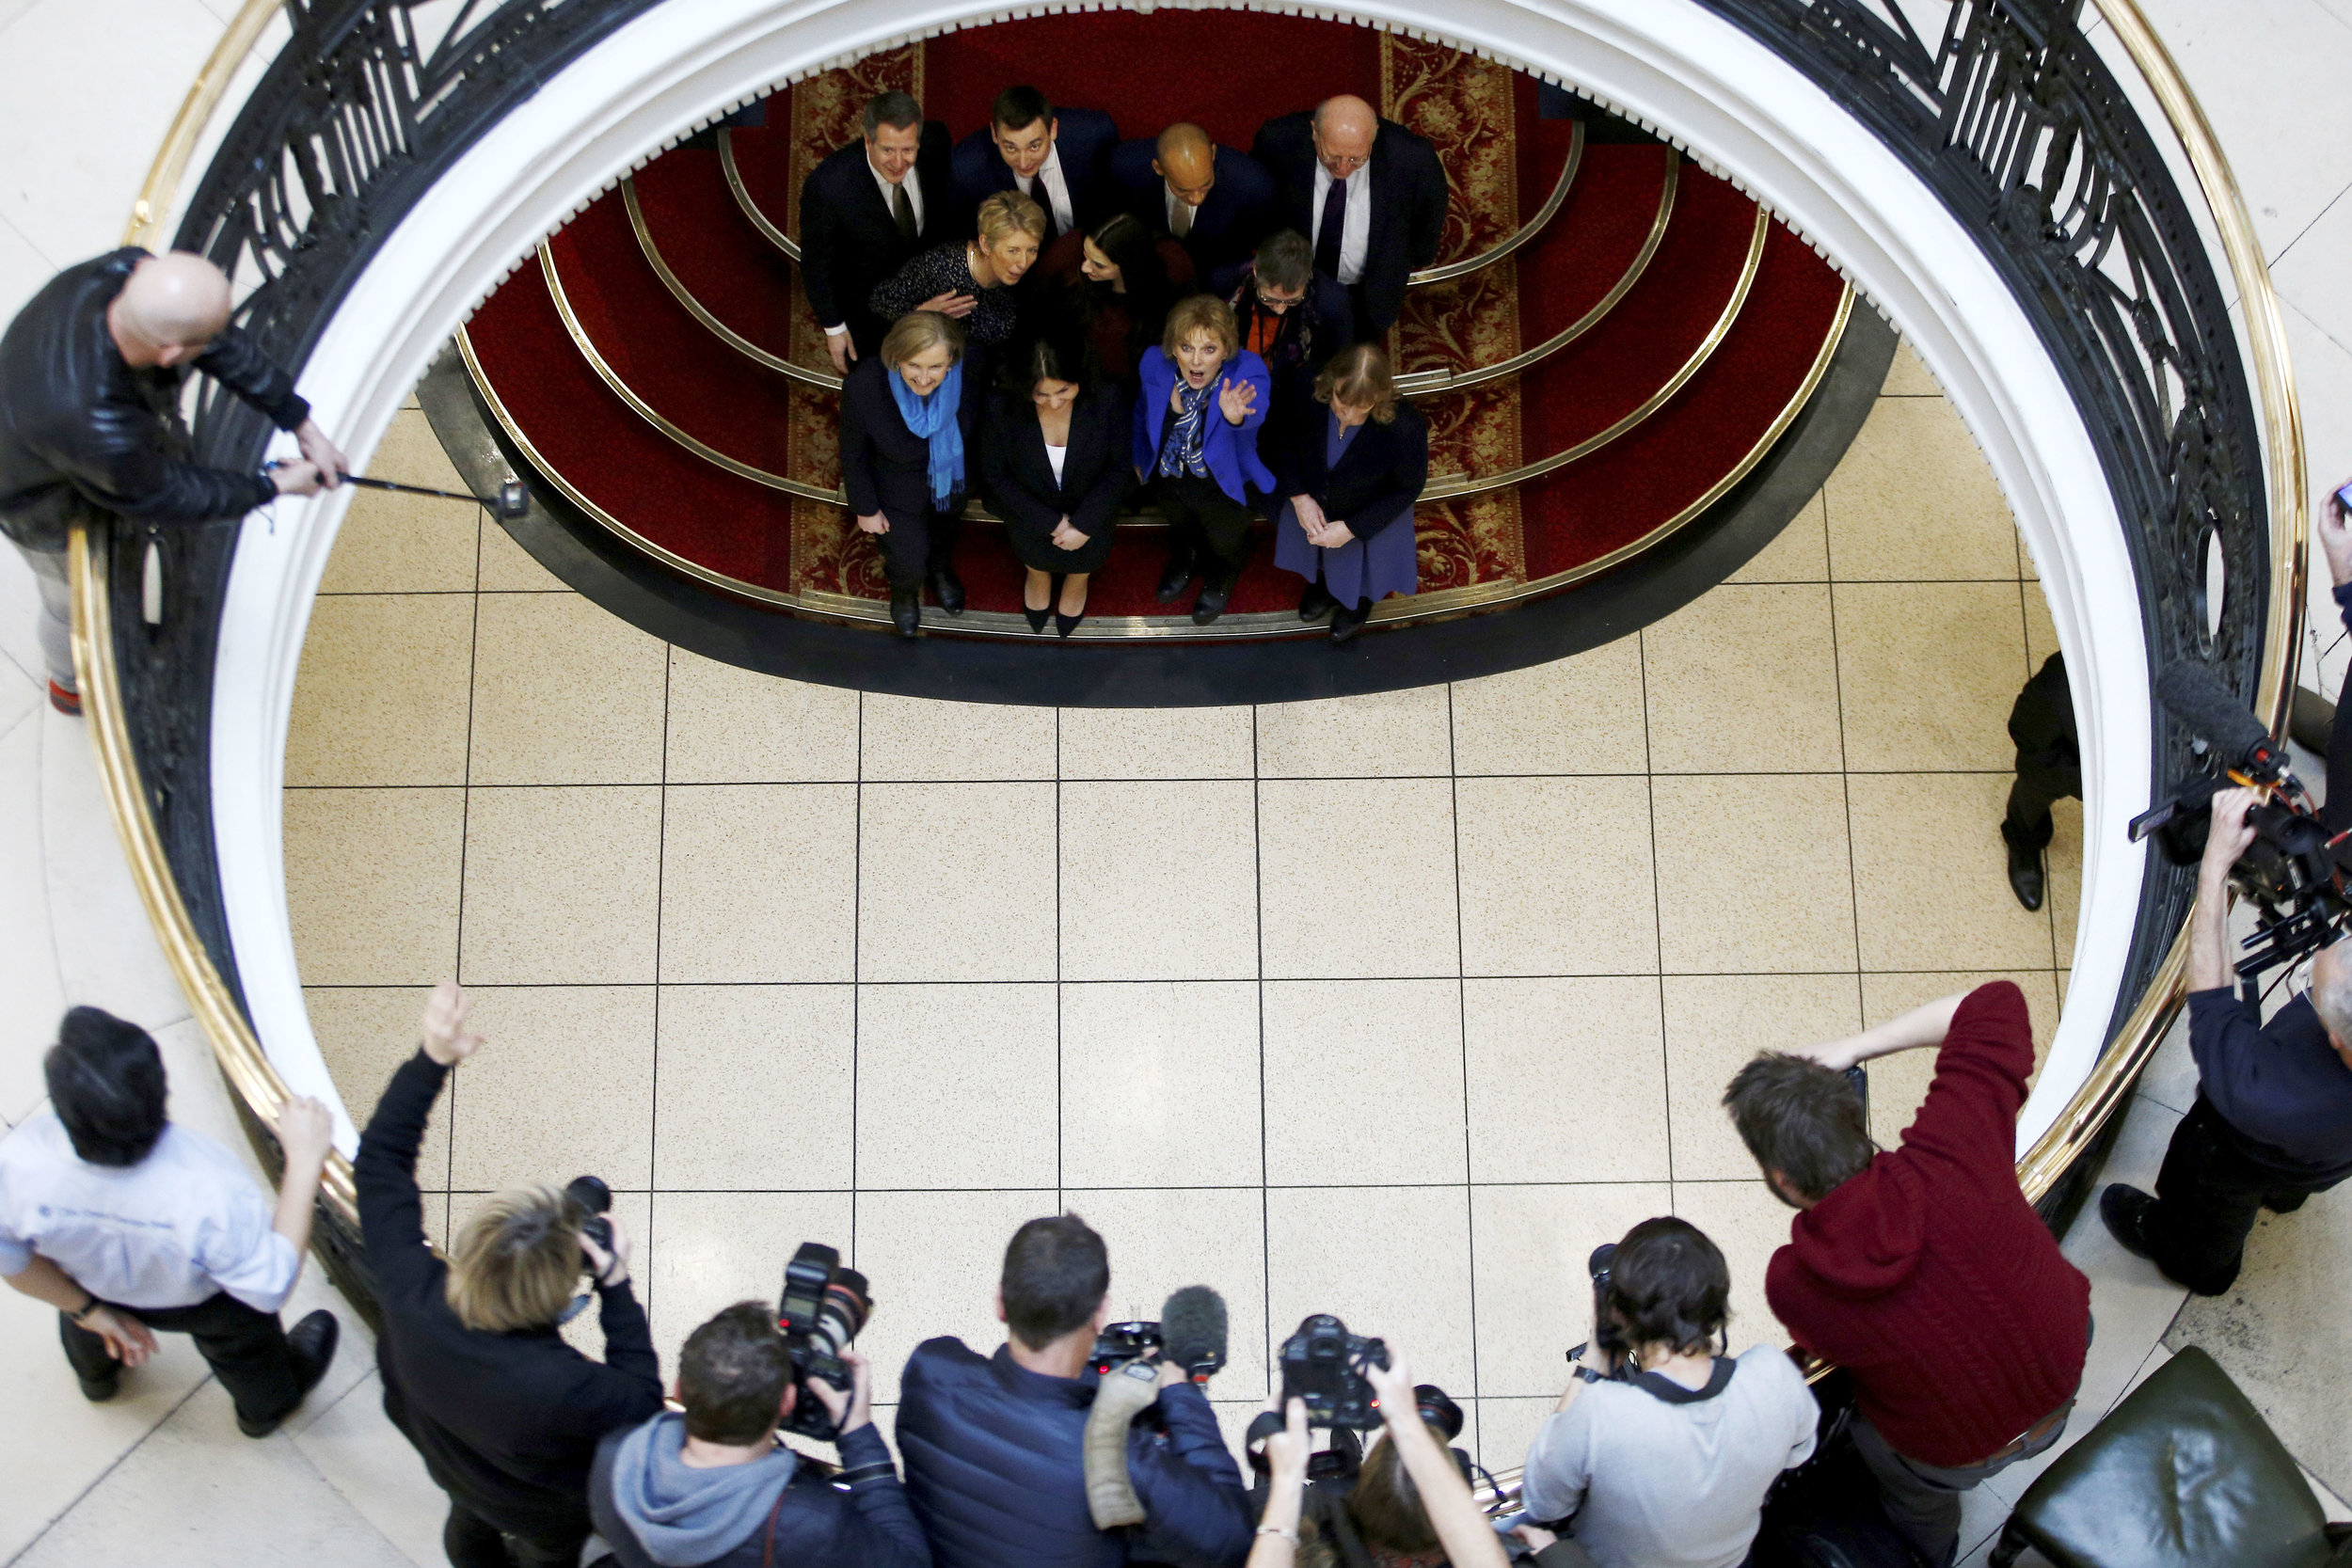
(1383, 186)
(993, 1444)
(1062, 158)
(1216, 202)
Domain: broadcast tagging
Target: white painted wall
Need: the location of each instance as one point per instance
(1668, 64)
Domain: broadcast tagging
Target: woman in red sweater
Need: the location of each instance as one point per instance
(1922, 1270)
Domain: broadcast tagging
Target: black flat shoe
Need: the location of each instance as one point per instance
(2024, 874)
(1316, 602)
(949, 589)
(311, 1343)
(1175, 579)
(2124, 1211)
(906, 612)
(1345, 623)
(1214, 597)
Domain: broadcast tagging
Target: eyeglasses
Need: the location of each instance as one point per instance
(1275, 302)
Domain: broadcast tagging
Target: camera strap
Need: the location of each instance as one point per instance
(768, 1551)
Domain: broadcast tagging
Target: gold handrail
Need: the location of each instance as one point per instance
(2118, 1070)
(162, 186)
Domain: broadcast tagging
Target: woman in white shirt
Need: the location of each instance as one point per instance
(1053, 467)
(1661, 1453)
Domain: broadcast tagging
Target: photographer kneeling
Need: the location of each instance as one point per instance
(994, 1445)
(713, 1488)
(505, 1413)
(1661, 1448)
(2272, 1121)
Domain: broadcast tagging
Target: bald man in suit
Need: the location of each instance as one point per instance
(1216, 202)
(1369, 194)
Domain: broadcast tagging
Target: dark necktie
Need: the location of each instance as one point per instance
(902, 209)
(1334, 222)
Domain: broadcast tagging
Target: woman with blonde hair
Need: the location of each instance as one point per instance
(907, 414)
(506, 1416)
(1351, 478)
(1196, 443)
(971, 281)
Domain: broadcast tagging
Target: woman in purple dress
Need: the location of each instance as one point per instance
(1350, 479)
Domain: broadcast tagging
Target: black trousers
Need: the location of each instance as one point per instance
(2049, 763)
(2207, 1198)
(917, 546)
(1205, 526)
(246, 1349)
(469, 1540)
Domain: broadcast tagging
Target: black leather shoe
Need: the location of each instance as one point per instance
(1175, 579)
(2024, 874)
(2284, 1203)
(312, 1344)
(98, 1390)
(1037, 617)
(1214, 595)
(906, 611)
(2124, 1211)
(1316, 602)
(1345, 623)
(947, 589)
(1065, 625)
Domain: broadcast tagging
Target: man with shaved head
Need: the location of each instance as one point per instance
(1214, 201)
(89, 421)
(1369, 194)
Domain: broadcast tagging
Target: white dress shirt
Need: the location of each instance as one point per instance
(1355, 233)
(1057, 197)
(1056, 457)
(180, 1226)
(1176, 202)
(914, 188)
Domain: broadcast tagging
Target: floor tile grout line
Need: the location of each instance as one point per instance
(100, 1479)
(1844, 791)
(1461, 1000)
(1301, 778)
(1213, 979)
(1658, 911)
(857, 951)
(1062, 1203)
(464, 834)
(1265, 1170)
(660, 866)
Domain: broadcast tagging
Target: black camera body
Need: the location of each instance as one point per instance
(821, 1310)
(1323, 1364)
(588, 1199)
(1120, 1343)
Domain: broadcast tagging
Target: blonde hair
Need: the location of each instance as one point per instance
(512, 1263)
(918, 332)
(1357, 376)
(1200, 313)
(1006, 211)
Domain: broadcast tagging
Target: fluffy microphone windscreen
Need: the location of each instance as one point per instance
(1193, 1327)
(2213, 713)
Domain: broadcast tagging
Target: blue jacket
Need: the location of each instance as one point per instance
(996, 1471)
(1232, 450)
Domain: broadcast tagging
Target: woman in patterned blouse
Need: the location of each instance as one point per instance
(972, 280)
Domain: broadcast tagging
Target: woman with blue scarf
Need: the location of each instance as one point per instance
(905, 421)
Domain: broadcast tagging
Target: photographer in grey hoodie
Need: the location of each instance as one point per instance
(713, 1488)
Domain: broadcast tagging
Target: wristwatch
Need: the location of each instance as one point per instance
(89, 1303)
(1576, 1365)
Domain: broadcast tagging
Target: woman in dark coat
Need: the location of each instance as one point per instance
(1055, 465)
(1351, 479)
(1117, 284)
(907, 417)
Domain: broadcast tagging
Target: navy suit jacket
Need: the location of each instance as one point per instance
(1084, 138)
(1408, 202)
(1239, 213)
(849, 240)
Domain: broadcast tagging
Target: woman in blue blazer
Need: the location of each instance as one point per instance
(1204, 399)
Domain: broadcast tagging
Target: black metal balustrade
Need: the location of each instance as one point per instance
(2011, 118)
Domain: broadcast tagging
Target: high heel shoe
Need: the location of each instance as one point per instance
(1037, 617)
(1065, 625)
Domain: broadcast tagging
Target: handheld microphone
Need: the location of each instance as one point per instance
(2216, 714)
(1192, 1329)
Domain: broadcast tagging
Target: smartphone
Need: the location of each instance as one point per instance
(2344, 498)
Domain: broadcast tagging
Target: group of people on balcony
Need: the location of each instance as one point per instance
(1064, 324)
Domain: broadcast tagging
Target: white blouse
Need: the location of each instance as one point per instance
(1056, 456)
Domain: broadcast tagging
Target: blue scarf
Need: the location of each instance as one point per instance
(934, 418)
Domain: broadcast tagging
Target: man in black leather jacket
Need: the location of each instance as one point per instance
(89, 395)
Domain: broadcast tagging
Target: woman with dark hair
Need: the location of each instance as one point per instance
(1351, 479)
(906, 415)
(1054, 465)
(1664, 1449)
(1120, 289)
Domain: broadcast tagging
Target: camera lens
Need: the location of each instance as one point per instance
(846, 1306)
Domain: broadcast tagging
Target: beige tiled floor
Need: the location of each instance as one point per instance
(1390, 1006)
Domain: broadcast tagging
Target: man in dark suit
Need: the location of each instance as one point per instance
(865, 211)
(1368, 193)
(1061, 159)
(1216, 202)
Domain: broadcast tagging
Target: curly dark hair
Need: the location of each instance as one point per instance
(1669, 1285)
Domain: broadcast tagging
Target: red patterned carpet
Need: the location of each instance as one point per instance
(1702, 328)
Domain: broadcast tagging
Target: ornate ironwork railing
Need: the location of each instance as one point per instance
(2010, 118)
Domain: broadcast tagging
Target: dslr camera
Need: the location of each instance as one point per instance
(1323, 1364)
(822, 1309)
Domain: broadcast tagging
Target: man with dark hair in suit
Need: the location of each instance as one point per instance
(1059, 158)
(1216, 202)
(1370, 196)
(865, 211)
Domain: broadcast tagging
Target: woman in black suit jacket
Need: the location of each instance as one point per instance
(907, 414)
(1351, 479)
(1053, 460)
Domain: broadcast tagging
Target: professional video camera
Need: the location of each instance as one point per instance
(824, 1305)
(2293, 873)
